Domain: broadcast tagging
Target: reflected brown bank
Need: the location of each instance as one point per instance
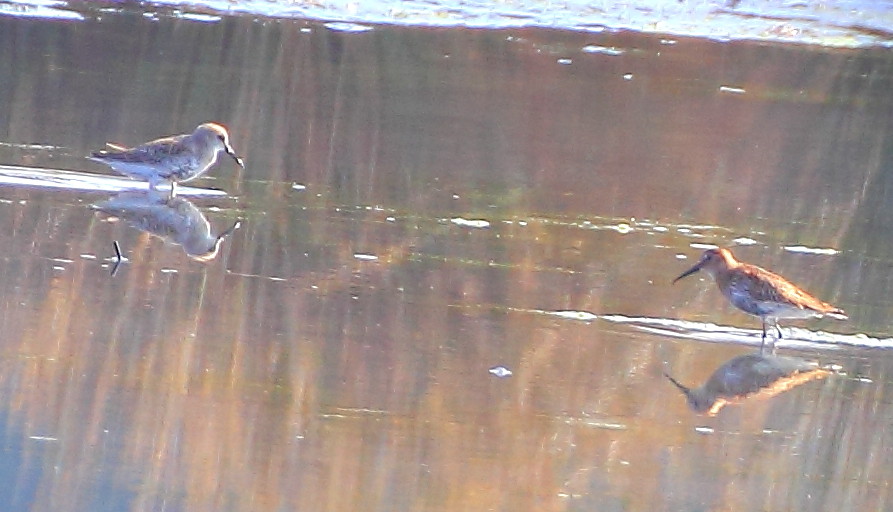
(335, 354)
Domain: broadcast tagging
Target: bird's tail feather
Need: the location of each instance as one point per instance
(838, 314)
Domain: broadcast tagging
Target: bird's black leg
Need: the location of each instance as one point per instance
(763, 344)
(774, 323)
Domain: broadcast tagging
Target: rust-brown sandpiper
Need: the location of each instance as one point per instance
(759, 292)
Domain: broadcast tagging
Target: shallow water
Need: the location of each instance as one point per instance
(419, 208)
(833, 23)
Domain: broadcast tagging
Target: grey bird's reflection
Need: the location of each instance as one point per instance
(749, 375)
(174, 219)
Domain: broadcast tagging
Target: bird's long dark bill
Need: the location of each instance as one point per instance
(230, 230)
(210, 255)
(680, 386)
(237, 158)
(688, 272)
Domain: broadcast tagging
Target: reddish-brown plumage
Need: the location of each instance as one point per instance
(759, 292)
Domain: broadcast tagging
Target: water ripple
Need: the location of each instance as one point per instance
(17, 176)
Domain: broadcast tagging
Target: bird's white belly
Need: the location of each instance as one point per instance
(152, 171)
(777, 310)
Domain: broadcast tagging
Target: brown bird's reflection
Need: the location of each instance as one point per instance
(174, 219)
(749, 375)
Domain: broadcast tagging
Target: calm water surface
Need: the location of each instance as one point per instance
(420, 206)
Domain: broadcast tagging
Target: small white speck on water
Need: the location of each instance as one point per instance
(733, 90)
(390, 219)
(660, 229)
(565, 62)
(470, 223)
(337, 26)
(623, 228)
(681, 257)
(298, 186)
(811, 250)
(604, 50)
(365, 257)
(204, 18)
(574, 315)
(605, 425)
(168, 271)
(745, 241)
(500, 371)
(87, 256)
(628, 76)
(704, 430)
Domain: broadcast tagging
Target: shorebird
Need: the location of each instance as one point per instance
(759, 292)
(176, 158)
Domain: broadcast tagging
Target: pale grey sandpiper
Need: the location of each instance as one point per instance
(177, 158)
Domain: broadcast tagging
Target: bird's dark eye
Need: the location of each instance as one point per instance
(222, 138)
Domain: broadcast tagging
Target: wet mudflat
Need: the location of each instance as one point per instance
(422, 211)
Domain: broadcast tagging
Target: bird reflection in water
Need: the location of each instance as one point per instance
(749, 375)
(174, 219)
